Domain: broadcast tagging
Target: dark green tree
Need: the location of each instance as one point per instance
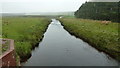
(99, 11)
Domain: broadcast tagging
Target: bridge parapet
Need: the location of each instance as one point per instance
(7, 58)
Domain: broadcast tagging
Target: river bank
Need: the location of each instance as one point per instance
(26, 31)
(101, 36)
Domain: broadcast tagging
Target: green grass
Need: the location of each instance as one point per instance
(0, 27)
(101, 36)
(5, 46)
(26, 31)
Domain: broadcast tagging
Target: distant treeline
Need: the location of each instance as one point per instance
(99, 11)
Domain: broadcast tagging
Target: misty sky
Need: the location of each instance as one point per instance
(28, 6)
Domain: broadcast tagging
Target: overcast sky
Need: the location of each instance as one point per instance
(28, 6)
(20, 6)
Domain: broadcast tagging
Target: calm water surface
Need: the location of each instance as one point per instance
(59, 48)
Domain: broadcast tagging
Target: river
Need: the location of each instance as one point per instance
(59, 48)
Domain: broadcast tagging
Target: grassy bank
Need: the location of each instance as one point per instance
(101, 36)
(26, 31)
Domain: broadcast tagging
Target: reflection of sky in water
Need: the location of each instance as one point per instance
(59, 48)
